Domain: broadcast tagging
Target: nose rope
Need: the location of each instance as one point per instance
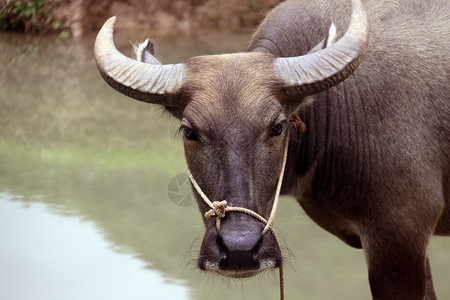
(220, 208)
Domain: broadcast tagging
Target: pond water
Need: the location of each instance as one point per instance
(88, 205)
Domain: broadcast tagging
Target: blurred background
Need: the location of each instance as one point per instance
(94, 202)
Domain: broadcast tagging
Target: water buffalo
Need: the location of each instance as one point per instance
(372, 167)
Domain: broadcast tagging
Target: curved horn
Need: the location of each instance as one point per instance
(153, 83)
(315, 72)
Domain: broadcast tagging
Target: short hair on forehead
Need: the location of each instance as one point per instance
(233, 92)
(245, 80)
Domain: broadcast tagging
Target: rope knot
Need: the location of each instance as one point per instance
(218, 210)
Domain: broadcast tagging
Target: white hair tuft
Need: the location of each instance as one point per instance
(331, 35)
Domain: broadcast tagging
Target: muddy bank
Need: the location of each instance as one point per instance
(161, 17)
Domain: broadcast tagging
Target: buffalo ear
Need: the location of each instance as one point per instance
(329, 40)
(145, 52)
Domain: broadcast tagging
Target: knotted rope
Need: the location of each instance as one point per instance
(220, 208)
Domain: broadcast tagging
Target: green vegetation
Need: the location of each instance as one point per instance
(256, 6)
(29, 16)
(103, 159)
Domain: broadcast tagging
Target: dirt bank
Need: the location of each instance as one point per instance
(162, 16)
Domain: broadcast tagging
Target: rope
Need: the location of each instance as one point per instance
(277, 192)
(220, 208)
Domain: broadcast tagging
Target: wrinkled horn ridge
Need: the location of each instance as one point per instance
(318, 71)
(153, 83)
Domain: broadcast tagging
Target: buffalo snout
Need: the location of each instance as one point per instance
(238, 249)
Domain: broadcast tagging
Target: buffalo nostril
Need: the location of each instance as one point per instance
(221, 247)
(257, 248)
(240, 249)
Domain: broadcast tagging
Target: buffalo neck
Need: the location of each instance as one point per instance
(335, 142)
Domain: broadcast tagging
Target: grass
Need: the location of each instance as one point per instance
(29, 16)
(163, 158)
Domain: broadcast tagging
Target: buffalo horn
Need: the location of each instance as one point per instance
(152, 83)
(315, 72)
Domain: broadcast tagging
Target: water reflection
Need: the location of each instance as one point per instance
(52, 257)
(83, 182)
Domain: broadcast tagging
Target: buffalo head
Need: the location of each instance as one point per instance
(233, 110)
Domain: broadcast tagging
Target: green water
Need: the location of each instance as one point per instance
(84, 180)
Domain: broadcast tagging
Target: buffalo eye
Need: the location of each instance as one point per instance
(277, 129)
(189, 133)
